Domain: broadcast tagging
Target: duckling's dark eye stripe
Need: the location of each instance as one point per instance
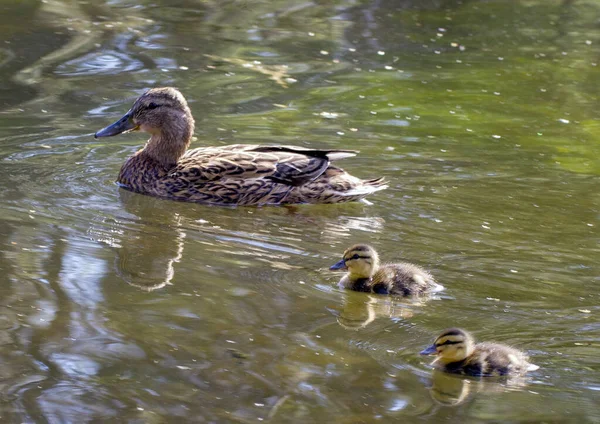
(357, 257)
(448, 342)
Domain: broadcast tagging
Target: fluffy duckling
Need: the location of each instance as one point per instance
(367, 275)
(229, 175)
(457, 353)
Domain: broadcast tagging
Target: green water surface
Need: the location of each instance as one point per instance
(483, 115)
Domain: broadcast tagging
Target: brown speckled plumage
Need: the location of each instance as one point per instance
(229, 175)
(366, 274)
(457, 353)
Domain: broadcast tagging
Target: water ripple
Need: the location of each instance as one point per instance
(106, 62)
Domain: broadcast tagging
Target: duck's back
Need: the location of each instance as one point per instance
(403, 279)
(261, 175)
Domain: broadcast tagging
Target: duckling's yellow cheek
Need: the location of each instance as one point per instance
(358, 268)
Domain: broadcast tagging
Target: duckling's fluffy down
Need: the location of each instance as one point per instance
(404, 279)
(491, 359)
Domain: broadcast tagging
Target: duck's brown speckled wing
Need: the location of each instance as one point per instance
(249, 175)
(282, 164)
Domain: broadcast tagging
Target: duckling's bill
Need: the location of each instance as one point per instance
(431, 350)
(339, 265)
(123, 125)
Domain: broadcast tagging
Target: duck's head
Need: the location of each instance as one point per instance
(152, 112)
(360, 260)
(164, 113)
(452, 345)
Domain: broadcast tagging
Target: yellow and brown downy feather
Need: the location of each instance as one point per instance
(457, 353)
(230, 175)
(365, 274)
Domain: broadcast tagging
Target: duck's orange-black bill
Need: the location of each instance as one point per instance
(340, 265)
(125, 124)
(431, 350)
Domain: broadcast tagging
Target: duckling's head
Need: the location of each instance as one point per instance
(452, 345)
(164, 113)
(360, 260)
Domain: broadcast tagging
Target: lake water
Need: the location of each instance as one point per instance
(481, 114)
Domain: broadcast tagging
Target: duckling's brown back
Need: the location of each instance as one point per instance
(497, 360)
(403, 279)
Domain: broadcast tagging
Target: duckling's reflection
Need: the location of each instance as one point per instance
(450, 390)
(360, 309)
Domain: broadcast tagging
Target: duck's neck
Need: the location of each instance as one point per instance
(167, 145)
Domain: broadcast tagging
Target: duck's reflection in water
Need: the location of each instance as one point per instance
(149, 263)
(359, 309)
(149, 236)
(336, 222)
(148, 246)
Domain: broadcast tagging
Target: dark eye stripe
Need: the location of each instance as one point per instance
(448, 342)
(357, 257)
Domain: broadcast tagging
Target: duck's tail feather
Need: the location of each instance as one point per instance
(334, 154)
(367, 187)
(379, 183)
(340, 154)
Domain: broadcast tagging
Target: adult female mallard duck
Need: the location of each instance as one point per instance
(367, 275)
(457, 353)
(229, 175)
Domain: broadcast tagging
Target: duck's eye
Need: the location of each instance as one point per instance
(152, 105)
(355, 256)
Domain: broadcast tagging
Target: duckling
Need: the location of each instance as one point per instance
(457, 353)
(228, 175)
(365, 274)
